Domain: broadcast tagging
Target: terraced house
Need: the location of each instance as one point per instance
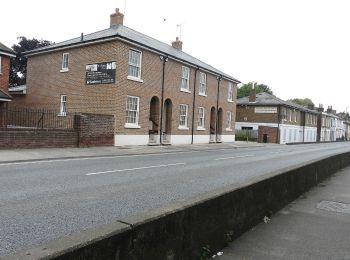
(157, 92)
(5, 56)
(276, 120)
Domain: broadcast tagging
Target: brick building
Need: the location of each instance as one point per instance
(277, 121)
(5, 56)
(125, 73)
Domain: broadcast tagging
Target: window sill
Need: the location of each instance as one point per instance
(62, 114)
(185, 90)
(203, 95)
(135, 79)
(64, 70)
(229, 129)
(230, 101)
(199, 128)
(132, 126)
(183, 128)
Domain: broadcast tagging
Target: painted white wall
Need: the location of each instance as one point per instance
(181, 139)
(253, 124)
(228, 138)
(201, 139)
(120, 140)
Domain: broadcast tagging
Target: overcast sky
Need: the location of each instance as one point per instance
(300, 48)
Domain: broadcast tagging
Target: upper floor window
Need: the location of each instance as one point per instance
(132, 111)
(65, 62)
(63, 105)
(230, 92)
(135, 58)
(185, 78)
(201, 117)
(202, 83)
(183, 116)
(0, 66)
(295, 115)
(229, 120)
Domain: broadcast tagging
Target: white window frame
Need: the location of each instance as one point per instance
(63, 105)
(138, 66)
(65, 65)
(187, 87)
(137, 115)
(0, 65)
(201, 118)
(202, 84)
(185, 126)
(230, 92)
(295, 115)
(228, 121)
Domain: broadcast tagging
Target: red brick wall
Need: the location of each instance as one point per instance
(5, 73)
(94, 130)
(39, 138)
(272, 133)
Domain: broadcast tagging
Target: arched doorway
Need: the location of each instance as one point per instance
(212, 125)
(219, 130)
(154, 121)
(168, 111)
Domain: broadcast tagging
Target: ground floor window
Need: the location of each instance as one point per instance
(183, 115)
(201, 117)
(63, 105)
(229, 120)
(132, 110)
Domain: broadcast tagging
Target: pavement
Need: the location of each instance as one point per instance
(315, 226)
(13, 155)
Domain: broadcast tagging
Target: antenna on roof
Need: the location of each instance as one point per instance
(124, 9)
(180, 29)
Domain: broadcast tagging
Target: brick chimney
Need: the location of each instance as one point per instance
(329, 110)
(252, 95)
(177, 44)
(320, 108)
(117, 18)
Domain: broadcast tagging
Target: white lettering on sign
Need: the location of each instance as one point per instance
(265, 110)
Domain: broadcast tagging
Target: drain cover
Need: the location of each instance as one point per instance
(334, 206)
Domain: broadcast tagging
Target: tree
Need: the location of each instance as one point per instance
(245, 89)
(18, 72)
(306, 102)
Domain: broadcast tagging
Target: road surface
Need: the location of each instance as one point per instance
(44, 200)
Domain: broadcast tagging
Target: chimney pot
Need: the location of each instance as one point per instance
(116, 18)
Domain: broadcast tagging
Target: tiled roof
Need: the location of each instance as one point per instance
(5, 49)
(266, 99)
(123, 32)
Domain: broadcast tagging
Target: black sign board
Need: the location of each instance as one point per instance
(100, 73)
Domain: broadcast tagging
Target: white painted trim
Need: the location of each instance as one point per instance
(4, 99)
(134, 79)
(7, 54)
(185, 90)
(121, 140)
(199, 128)
(132, 126)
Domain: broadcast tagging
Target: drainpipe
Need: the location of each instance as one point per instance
(304, 127)
(164, 59)
(217, 108)
(194, 101)
(278, 141)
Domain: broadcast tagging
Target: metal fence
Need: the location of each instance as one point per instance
(16, 117)
(246, 135)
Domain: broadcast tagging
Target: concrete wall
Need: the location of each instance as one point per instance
(185, 230)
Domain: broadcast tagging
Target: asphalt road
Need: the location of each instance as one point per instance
(44, 200)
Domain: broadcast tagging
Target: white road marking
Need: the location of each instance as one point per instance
(160, 153)
(234, 157)
(135, 169)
